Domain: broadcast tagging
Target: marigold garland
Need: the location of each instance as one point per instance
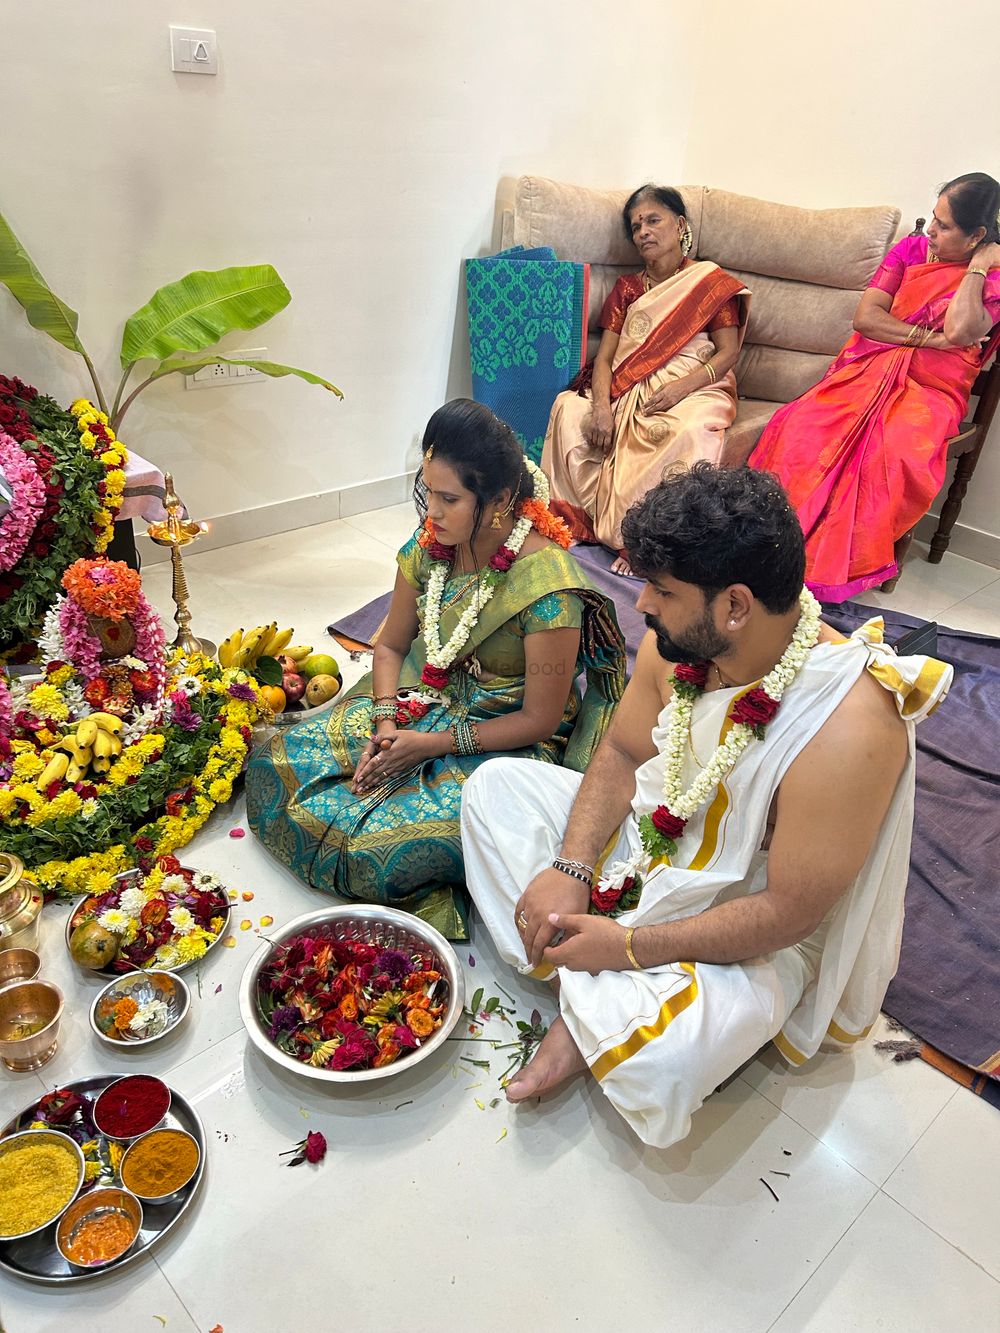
(81, 465)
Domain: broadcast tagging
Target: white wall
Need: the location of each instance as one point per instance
(857, 103)
(356, 147)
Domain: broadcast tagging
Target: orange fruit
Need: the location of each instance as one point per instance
(274, 697)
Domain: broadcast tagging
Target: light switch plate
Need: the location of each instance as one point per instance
(193, 51)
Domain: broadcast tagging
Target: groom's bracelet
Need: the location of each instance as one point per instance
(575, 869)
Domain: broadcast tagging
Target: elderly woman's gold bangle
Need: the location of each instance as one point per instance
(983, 273)
(711, 372)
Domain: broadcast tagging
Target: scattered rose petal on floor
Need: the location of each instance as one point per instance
(216, 1329)
(246, 923)
(237, 833)
(247, 896)
(218, 988)
(232, 894)
(267, 921)
(472, 961)
(229, 942)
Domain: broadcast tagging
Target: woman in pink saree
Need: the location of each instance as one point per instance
(862, 454)
(661, 391)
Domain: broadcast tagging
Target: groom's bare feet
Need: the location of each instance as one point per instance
(556, 1060)
(621, 566)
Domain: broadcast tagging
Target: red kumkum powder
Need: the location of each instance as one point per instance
(131, 1106)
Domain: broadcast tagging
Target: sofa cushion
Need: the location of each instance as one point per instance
(751, 418)
(777, 374)
(834, 247)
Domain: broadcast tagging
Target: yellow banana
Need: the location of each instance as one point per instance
(276, 643)
(107, 722)
(298, 652)
(86, 732)
(75, 772)
(82, 754)
(229, 647)
(250, 648)
(101, 765)
(102, 744)
(53, 770)
(116, 746)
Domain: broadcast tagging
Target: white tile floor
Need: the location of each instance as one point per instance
(426, 1215)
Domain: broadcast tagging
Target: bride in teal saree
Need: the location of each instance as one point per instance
(491, 623)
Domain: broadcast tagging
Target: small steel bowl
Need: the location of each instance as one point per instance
(143, 988)
(18, 965)
(177, 1191)
(109, 1200)
(129, 1078)
(27, 1136)
(34, 1009)
(389, 929)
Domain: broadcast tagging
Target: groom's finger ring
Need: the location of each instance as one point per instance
(522, 921)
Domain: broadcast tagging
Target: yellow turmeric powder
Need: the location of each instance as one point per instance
(160, 1163)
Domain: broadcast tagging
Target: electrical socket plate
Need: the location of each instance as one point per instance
(218, 373)
(193, 51)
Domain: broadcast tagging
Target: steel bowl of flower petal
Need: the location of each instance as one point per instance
(351, 994)
(140, 1008)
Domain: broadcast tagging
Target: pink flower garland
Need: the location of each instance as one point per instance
(27, 503)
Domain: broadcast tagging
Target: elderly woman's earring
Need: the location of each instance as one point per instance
(687, 238)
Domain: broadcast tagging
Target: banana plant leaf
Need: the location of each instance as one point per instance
(43, 308)
(273, 368)
(197, 310)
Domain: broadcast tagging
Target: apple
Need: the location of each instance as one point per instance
(293, 685)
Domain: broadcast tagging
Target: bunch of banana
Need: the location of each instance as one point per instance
(245, 649)
(298, 651)
(94, 744)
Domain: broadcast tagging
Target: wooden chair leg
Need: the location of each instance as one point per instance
(899, 550)
(952, 506)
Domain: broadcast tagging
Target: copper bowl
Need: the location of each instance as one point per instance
(29, 1023)
(18, 965)
(94, 1203)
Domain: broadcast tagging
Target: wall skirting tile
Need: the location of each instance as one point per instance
(972, 543)
(288, 515)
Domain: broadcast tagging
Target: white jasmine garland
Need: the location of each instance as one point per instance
(444, 655)
(683, 804)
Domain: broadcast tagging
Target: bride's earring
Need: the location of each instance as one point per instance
(496, 519)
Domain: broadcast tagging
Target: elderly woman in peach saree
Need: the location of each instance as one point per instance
(863, 453)
(661, 391)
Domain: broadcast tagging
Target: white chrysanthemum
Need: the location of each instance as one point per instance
(149, 1016)
(191, 685)
(114, 919)
(204, 880)
(167, 956)
(181, 920)
(132, 901)
(89, 808)
(173, 884)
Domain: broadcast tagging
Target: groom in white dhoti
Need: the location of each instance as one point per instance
(731, 868)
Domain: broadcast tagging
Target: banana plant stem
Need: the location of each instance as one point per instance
(101, 401)
(116, 420)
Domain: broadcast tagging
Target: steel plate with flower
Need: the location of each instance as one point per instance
(382, 991)
(139, 1008)
(162, 920)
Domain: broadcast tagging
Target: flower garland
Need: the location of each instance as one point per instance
(100, 441)
(750, 716)
(27, 501)
(619, 887)
(83, 483)
(441, 657)
(76, 838)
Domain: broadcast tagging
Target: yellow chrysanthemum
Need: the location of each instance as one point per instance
(60, 676)
(7, 802)
(46, 701)
(27, 765)
(190, 947)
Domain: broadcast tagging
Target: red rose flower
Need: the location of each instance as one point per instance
(169, 865)
(436, 677)
(691, 673)
(606, 900)
(667, 825)
(438, 551)
(55, 665)
(503, 559)
(315, 1146)
(97, 692)
(755, 709)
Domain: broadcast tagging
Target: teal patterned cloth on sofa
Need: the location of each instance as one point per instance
(527, 335)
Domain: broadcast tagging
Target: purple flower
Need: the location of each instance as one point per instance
(183, 715)
(240, 690)
(395, 963)
(284, 1019)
